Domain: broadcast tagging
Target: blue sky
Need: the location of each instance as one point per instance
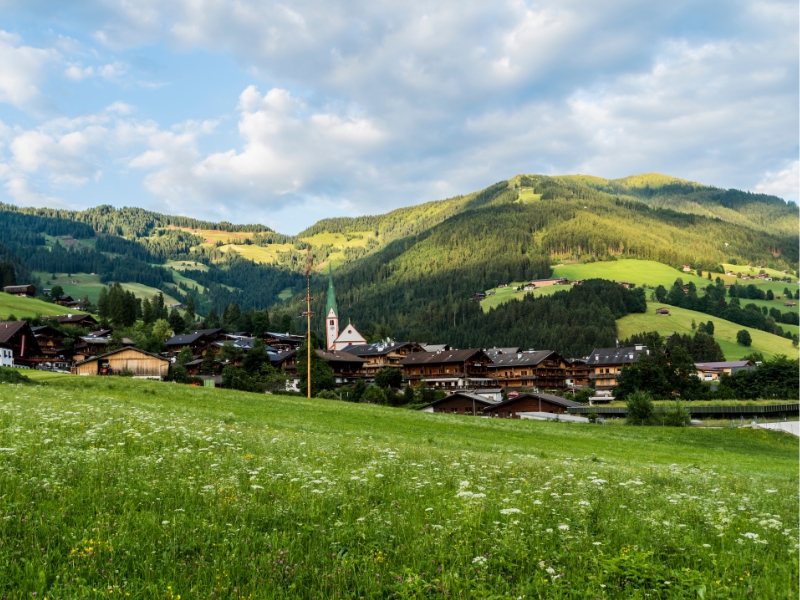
(283, 114)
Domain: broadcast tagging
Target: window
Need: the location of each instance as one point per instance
(331, 322)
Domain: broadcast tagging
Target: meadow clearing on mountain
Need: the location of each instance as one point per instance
(143, 489)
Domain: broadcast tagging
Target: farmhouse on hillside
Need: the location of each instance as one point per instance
(460, 403)
(87, 321)
(142, 364)
(542, 369)
(23, 291)
(453, 369)
(607, 364)
(529, 403)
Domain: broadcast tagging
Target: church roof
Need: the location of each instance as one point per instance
(331, 295)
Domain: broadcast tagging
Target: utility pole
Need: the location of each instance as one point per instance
(308, 314)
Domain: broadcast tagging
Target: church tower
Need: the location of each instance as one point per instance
(332, 314)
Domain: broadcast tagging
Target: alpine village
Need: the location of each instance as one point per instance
(555, 313)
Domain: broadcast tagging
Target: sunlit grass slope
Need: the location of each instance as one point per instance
(114, 486)
(90, 285)
(29, 307)
(680, 320)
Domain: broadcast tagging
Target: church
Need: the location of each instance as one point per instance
(349, 336)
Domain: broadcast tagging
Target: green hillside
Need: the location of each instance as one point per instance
(29, 307)
(79, 284)
(680, 321)
(178, 491)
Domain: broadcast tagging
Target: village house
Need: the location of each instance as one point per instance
(85, 321)
(51, 343)
(607, 363)
(382, 354)
(448, 369)
(578, 372)
(686, 268)
(711, 371)
(23, 291)
(536, 402)
(435, 347)
(283, 341)
(540, 369)
(662, 311)
(143, 365)
(196, 341)
(548, 282)
(460, 403)
(18, 338)
(346, 367)
(96, 343)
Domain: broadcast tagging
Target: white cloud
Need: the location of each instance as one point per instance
(782, 183)
(22, 73)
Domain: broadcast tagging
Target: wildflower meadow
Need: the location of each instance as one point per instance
(114, 487)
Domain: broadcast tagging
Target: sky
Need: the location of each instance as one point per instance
(254, 111)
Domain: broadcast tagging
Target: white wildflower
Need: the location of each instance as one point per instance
(479, 560)
(564, 527)
(510, 511)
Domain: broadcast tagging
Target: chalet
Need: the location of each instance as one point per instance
(66, 301)
(505, 285)
(18, 337)
(577, 282)
(285, 360)
(536, 402)
(711, 371)
(607, 363)
(346, 367)
(196, 341)
(537, 283)
(790, 304)
(460, 403)
(686, 268)
(23, 291)
(143, 365)
(382, 354)
(455, 369)
(51, 343)
(627, 284)
(435, 347)
(730, 273)
(478, 296)
(283, 341)
(529, 287)
(578, 372)
(662, 311)
(87, 321)
(94, 345)
(541, 369)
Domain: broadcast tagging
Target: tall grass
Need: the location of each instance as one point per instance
(115, 487)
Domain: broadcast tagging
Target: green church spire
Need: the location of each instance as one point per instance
(331, 295)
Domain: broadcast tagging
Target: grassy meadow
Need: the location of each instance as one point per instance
(29, 307)
(90, 285)
(111, 486)
(679, 320)
(503, 295)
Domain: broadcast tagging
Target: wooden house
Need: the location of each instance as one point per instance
(578, 372)
(382, 354)
(283, 341)
(529, 403)
(543, 369)
(454, 369)
(23, 291)
(607, 363)
(80, 320)
(51, 343)
(142, 364)
(196, 341)
(711, 371)
(18, 337)
(346, 367)
(662, 311)
(460, 403)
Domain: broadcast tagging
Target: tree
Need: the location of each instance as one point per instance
(184, 356)
(710, 328)
(162, 331)
(256, 357)
(230, 317)
(102, 304)
(408, 395)
(374, 395)
(260, 323)
(770, 295)
(287, 324)
(743, 338)
(426, 394)
(389, 377)
(209, 364)
(148, 316)
(640, 408)
(176, 322)
(189, 315)
(661, 293)
(229, 352)
(56, 292)
(322, 377)
(212, 320)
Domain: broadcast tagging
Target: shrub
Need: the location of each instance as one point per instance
(327, 395)
(743, 338)
(126, 373)
(674, 416)
(374, 395)
(12, 376)
(640, 408)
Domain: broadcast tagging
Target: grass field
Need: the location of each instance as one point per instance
(120, 487)
(680, 321)
(90, 285)
(526, 195)
(640, 272)
(183, 265)
(503, 295)
(29, 307)
(260, 254)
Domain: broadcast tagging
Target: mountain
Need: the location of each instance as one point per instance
(413, 270)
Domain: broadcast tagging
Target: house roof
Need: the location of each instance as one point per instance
(557, 400)
(276, 357)
(522, 359)
(186, 338)
(15, 289)
(376, 349)
(9, 329)
(72, 318)
(435, 347)
(45, 330)
(615, 356)
(494, 351)
(482, 400)
(445, 356)
(731, 364)
(107, 354)
(336, 356)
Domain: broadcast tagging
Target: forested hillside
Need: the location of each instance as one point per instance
(414, 270)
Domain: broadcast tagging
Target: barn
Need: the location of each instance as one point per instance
(142, 364)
